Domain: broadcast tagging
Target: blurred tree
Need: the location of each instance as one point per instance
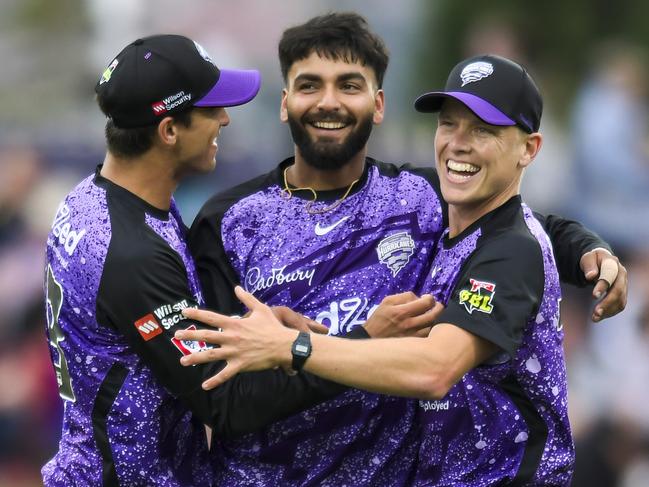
(555, 36)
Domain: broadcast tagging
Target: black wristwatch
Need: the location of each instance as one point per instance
(301, 350)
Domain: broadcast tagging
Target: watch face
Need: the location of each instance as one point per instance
(301, 348)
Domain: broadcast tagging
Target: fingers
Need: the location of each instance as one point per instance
(400, 298)
(590, 262)
(316, 327)
(615, 299)
(202, 335)
(418, 306)
(427, 318)
(210, 318)
(206, 356)
(248, 300)
(589, 265)
(608, 271)
(216, 380)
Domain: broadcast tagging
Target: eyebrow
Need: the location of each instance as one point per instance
(354, 75)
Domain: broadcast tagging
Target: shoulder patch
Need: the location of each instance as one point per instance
(478, 296)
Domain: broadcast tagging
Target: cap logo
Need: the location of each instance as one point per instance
(108, 72)
(201, 50)
(475, 72)
(171, 102)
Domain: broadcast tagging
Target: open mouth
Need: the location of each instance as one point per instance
(322, 125)
(461, 171)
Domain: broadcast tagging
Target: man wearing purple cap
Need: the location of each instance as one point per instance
(490, 376)
(118, 274)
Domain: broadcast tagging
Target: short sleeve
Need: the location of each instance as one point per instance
(498, 290)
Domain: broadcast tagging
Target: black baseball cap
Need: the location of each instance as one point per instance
(163, 74)
(499, 91)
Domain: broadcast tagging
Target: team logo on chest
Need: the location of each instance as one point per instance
(478, 297)
(395, 251)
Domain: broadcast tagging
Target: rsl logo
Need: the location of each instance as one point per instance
(395, 251)
(478, 297)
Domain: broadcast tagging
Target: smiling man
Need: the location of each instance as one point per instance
(330, 233)
(490, 376)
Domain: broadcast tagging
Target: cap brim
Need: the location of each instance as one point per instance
(234, 87)
(432, 102)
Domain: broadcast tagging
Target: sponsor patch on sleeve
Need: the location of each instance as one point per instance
(478, 296)
(188, 347)
(148, 327)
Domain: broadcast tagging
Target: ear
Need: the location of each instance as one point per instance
(167, 131)
(379, 107)
(283, 112)
(532, 146)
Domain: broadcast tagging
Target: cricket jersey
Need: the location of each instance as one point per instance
(118, 275)
(333, 261)
(506, 421)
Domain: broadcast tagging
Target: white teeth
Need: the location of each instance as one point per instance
(329, 125)
(461, 166)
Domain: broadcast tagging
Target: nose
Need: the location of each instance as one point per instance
(458, 141)
(224, 118)
(329, 100)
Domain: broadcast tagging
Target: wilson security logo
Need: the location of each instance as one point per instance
(395, 251)
(148, 327)
(163, 106)
(475, 72)
(478, 297)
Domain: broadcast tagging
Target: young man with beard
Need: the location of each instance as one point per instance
(490, 375)
(329, 233)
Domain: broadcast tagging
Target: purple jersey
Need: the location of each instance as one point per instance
(335, 267)
(118, 272)
(506, 421)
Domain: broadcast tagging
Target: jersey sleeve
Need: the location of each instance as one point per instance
(499, 289)
(570, 241)
(142, 296)
(217, 276)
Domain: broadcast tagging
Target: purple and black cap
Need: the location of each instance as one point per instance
(499, 91)
(161, 75)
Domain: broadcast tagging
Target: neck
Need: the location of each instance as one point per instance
(303, 175)
(461, 216)
(149, 177)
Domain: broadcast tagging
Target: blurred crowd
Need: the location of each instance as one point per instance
(594, 167)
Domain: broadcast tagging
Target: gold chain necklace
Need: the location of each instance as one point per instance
(309, 206)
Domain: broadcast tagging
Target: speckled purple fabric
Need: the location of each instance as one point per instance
(334, 267)
(153, 438)
(476, 435)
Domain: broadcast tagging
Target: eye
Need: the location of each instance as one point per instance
(306, 86)
(483, 130)
(348, 86)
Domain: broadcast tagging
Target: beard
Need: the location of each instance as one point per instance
(328, 155)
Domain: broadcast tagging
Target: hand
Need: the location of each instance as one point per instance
(257, 342)
(299, 322)
(599, 265)
(403, 315)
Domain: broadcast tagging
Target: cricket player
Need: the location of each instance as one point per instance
(331, 233)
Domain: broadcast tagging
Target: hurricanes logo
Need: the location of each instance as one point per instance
(395, 251)
(478, 297)
(476, 72)
(201, 50)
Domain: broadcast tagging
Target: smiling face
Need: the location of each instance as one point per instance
(480, 165)
(330, 107)
(196, 152)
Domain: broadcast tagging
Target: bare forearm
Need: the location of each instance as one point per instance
(402, 366)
